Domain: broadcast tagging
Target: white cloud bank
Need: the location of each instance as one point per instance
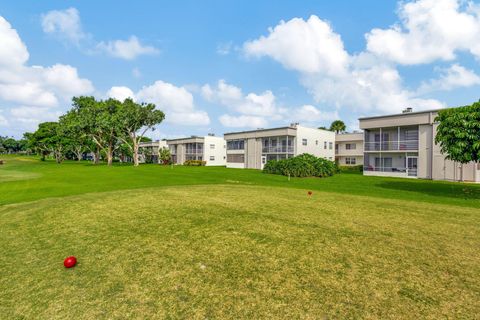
(429, 30)
(333, 77)
(126, 49)
(33, 93)
(176, 102)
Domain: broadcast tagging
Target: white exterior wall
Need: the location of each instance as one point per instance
(315, 142)
(219, 152)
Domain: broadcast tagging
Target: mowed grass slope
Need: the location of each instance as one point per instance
(196, 243)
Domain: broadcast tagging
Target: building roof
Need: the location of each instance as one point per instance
(259, 130)
(401, 114)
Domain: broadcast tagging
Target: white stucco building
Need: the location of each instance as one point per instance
(210, 149)
(252, 149)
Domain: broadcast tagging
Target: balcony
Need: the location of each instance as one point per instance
(278, 149)
(406, 145)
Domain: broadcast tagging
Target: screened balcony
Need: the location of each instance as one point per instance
(284, 145)
(194, 151)
(392, 139)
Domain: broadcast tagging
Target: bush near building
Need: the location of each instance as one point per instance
(195, 163)
(304, 165)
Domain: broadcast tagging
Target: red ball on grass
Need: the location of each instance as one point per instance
(70, 262)
(310, 193)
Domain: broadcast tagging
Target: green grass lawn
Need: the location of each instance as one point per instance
(215, 243)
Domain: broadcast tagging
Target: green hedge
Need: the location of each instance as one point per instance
(304, 165)
(357, 168)
(195, 163)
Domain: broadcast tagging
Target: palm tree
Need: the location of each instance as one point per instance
(338, 126)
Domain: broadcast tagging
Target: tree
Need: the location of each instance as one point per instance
(458, 133)
(165, 156)
(135, 119)
(338, 126)
(50, 138)
(100, 121)
(79, 140)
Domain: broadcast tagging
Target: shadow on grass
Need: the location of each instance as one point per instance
(436, 189)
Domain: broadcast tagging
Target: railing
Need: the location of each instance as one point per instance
(385, 169)
(394, 145)
(278, 149)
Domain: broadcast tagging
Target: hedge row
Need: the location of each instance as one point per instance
(194, 163)
(304, 165)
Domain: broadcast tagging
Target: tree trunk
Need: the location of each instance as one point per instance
(110, 154)
(135, 153)
(79, 155)
(96, 156)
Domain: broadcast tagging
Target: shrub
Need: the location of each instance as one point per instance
(194, 163)
(357, 168)
(304, 165)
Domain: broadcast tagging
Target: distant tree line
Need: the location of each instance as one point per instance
(102, 128)
(11, 145)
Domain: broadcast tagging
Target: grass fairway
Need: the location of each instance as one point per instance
(197, 243)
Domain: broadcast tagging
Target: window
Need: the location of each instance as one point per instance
(330, 145)
(351, 160)
(212, 158)
(336, 146)
(304, 142)
(325, 145)
(351, 146)
(212, 146)
(236, 158)
(330, 158)
(235, 144)
(316, 142)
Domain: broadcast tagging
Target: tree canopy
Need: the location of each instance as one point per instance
(458, 133)
(338, 126)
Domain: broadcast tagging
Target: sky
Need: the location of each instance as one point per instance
(223, 66)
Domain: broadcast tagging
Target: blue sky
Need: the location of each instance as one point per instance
(222, 66)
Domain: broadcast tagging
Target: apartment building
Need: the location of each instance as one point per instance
(148, 151)
(349, 149)
(208, 148)
(403, 145)
(252, 149)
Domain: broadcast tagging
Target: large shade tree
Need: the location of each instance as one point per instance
(135, 119)
(458, 133)
(99, 120)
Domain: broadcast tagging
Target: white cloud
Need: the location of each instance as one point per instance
(429, 30)
(13, 51)
(33, 115)
(333, 77)
(176, 102)
(309, 113)
(64, 80)
(232, 97)
(120, 93)
(195, 118)
(450, 78)
(64, 24)
(242, 121)
(307, 46)
(126, 49)
(30, 92)
(167, 96)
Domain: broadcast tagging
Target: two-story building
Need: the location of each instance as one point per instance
(209, 148)
(349, 149)
(403, 145)
(252, 149)
(149, 151)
